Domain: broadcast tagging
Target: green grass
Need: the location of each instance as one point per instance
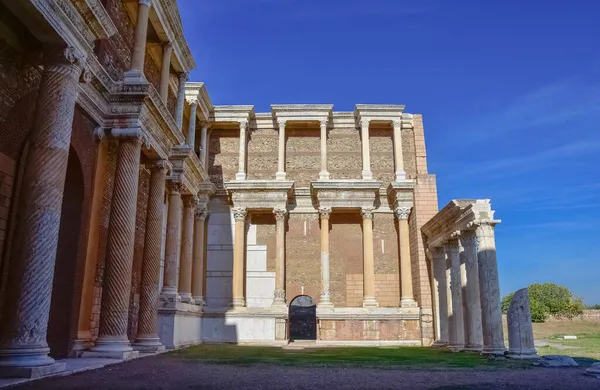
(587, 345)
(416, 357)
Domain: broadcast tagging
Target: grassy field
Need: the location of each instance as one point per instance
(587, 344)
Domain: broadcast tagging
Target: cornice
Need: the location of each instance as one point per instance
(94, 13)
(168, 16)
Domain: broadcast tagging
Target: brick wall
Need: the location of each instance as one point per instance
(387, 290)
(223, 156)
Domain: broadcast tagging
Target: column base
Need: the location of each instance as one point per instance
(440, 343)
(533, 355)
(150, 344)
(32, 372)
(367, 175)
(169, 296)
(240, 176)
(199, 301)
(400, 175)
(325, 302)
(81, 345)
(493, 351)
(238, 302)
(370, 302)
(456, 347)
(280, 175)
(111, 355)
(186, 298)
(27, 357)
(324, 175)
(134, 76)
(408, 302)
(473, 348)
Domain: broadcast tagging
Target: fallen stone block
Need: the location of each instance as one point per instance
(556, 361)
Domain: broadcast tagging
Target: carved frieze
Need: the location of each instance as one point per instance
(260, 194)
(346, 193)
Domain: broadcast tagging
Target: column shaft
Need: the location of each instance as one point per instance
(204, 145)
(29, 285)
(199, 256)
(324, 174)
(241, 174)
(280, 217)
(457, 338)
(239, 247)
(398, 156)
(489, 290)
(281, 175)
(440, 290)
(191, 136)
(116, 289)
(146, 339)
(169, 290)
(368, 260)
(141, 31)
(366, 151)
(187, 247)
(407, 299)
(181, 102)
(449, 305)
(165, 72)
(325, 299)
(474, 331)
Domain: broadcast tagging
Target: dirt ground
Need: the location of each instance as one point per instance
(168, 372)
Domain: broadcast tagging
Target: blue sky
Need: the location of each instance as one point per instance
(509, 91)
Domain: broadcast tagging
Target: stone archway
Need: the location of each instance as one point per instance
(303, 318)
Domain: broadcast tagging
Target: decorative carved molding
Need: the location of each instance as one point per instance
(402, 213)
(176, 187)
(131, 134)
(239, 213)
(189, 201)
(160, 165)
(201, 213)
(280, 214)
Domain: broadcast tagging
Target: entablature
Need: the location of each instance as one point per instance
(346, 193)
(260, 194)
(382, 113)
(232, 114)
(195, 92)
(301, 112)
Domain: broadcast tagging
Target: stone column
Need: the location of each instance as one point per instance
(449, 308)
(280, 175)
(239, 247)
(241, 174)
(187, 247)
(407, 299)
(146, 339)
(112, 338)
(23, 347)
(199, 256)
(398, 157)
(325, 299)
(165, 71)
(440, 290)
(457, 336)
(468, 257)
(324, 174)
(134, 74)
(280, 217)
(204, 145)
(191, 135)
(183, 77)
(489, 290)
(368, 260)
(521, 344)
(169, 290)
(84, 335)
(366, 151)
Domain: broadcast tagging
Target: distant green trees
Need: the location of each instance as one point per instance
(593, 307)
(549, 299)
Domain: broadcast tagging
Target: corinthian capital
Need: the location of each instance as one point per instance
(280, 214)
(147, 3)
(159, 165)
(239, 213)
(131, 134)
(397, 124)
(324, 212)
(183, 77)
(243, 125)
(367, 212)
(402, 213)
(201, 213)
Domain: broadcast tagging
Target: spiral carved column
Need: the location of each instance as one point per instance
(147, 339)
(112, 339)
(199, 256)
(27, 305)
(187, 246)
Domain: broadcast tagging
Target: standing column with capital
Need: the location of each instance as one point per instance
(199, 256)
(23, 347)
(280, 217)
(146, 339)
(187, 247)
(366, 151)
(183, 77)
(112, 338)
(489, 290)
(136, 69)
(368, 259)
(468, 257)
(169, 290)
(324, 174)
(325, 299)
(191, 134)
(239, 247)
(281, 175)
(241, 174)
(407, 299)
(440, 290)
(398, 156)
(204, 145)
(165, 72)
(457, 336)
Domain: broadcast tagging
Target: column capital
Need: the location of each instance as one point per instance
(364, 123)
(159, 165)
(280, 214)
(323, 123)
(397, 124)
(147, 3)
(204, 124)
(201, 213)
(131, 134)
(366, 212)
(190, 201)
(60, 55)
(281, 123)
(324, 212)
(183, 77)
(239, 213)
(451, 244)
(243, 125)
(402, 213)
(176, 187)
(167, 46)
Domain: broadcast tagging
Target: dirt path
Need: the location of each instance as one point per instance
(164, 372)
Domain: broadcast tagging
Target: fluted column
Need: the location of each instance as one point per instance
(187, 247)
(489, 290)
(281, 175)
(440, 291)
(407, 299)
(165, 71)
(29, 285)
(366, 151)
(191, 135)
(199, 256)
(169, 290)
(241, 174)
(134, 74)
(473, 327)
(398, 157)
(112, 337)
(204, 145)
(146, 339)
(368, 260)
(457, 335)
(280, 217)
(324, 174)
(183, 77)
(239, 247)
(325, 298)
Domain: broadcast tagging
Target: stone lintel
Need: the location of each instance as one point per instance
(260, 194)
(301, 112)
(346, 193)
(232, 114)
(380, 113)
(196, 92)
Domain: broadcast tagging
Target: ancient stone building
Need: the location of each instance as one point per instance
(136, 215)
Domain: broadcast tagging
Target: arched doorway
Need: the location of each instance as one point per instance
(303, 318)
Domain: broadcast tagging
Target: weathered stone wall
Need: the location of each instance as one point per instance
(115, 53)
(223, 155)
(262, 152)
(303, 263)
(380, 330)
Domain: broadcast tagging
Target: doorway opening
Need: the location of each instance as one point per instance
(303, 318)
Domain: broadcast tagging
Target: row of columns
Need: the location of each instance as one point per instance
(467, 288)
(367, 174)
(369, 299)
